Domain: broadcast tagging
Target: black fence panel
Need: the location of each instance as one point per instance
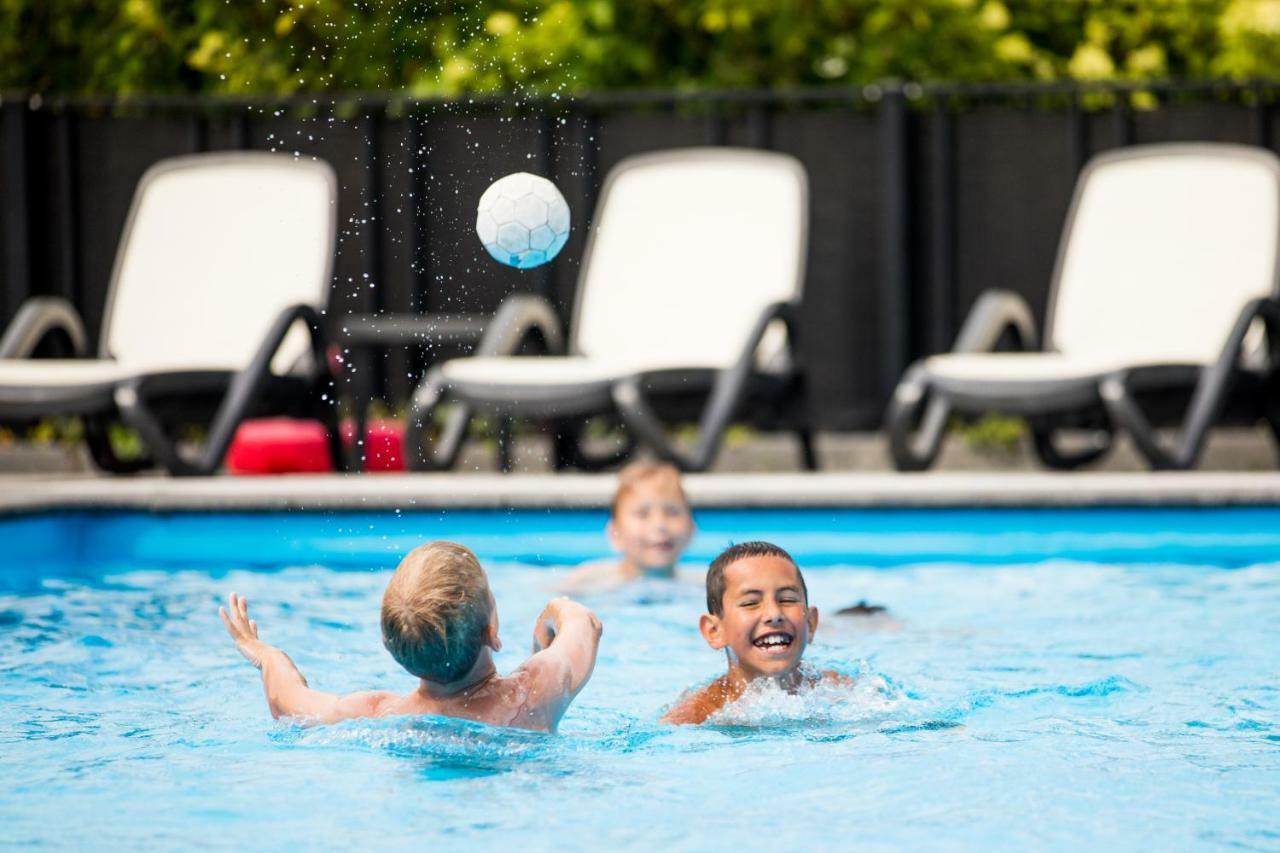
(921, 196)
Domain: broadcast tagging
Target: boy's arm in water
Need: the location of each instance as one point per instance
(566, 638)
(287, 692)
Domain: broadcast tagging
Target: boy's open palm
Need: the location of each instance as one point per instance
(243, 629)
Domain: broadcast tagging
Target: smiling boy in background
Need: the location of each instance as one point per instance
(759, 613)
(650, 525)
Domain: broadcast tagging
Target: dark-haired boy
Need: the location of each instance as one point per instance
(440, 623)
(759, 613)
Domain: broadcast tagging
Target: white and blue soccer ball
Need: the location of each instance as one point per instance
(522, 220)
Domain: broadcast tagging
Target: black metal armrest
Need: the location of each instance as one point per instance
(517, 316)
(1207, 400)
(244, 388)
(726, 394)
(38, 317)
(995, 312)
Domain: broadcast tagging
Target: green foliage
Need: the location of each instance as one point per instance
(993, 435)
(426, 47)
(126, 444)
(64, 431)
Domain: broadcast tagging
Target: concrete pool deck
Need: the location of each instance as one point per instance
(40, 493)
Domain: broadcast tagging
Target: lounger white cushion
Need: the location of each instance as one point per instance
(65, 373)
(693, 261)
(1164, 248)
(216, 249)
(542, 370)
(689, 248)
(1022, 381)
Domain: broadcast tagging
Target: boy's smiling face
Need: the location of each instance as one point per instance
(767, 621)
(652, 525)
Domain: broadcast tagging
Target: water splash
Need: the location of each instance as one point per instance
(870, 700)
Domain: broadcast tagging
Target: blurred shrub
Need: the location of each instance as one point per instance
(447, 48)
(991, 435)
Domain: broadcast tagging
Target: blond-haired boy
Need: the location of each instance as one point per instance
(650, 525)
(440, 622)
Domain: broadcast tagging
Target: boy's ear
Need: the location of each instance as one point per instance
(813, 621)
(710, 627)
(491, 638)
(611, 531)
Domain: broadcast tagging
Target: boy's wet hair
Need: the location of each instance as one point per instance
(638, 472)
(435, 612)
(731, 555)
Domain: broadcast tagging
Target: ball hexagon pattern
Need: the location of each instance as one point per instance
(522, 220)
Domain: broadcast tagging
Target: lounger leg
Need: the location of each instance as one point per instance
(504, 445)
(912, 397)
(327, 414)
(1126, 414)
(641, 421)
(1049, 454)
(133, 409)
(1271, 408)
(562, 444)
(1273, 421)
(808, 455)
(1206, 402)
(726, 394)
(418, 456)
(566, 440)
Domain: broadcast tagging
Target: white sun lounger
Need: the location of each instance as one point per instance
(221, 277)
(689, 281)
(1166, 282)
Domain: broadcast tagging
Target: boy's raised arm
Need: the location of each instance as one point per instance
(566, 638)
(287, 692)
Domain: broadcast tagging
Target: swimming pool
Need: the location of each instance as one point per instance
(1056, 678)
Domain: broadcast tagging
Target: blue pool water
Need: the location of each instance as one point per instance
(1053, 679)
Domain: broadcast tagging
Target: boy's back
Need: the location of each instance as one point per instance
(440, 623)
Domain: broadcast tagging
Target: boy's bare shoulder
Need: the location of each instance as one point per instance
(369, 703)
(698, 705)
(599, 576)
(530, 696)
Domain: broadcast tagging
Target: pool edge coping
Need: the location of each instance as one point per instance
(22, 494)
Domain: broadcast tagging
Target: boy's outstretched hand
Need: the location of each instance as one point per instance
(243, 629)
